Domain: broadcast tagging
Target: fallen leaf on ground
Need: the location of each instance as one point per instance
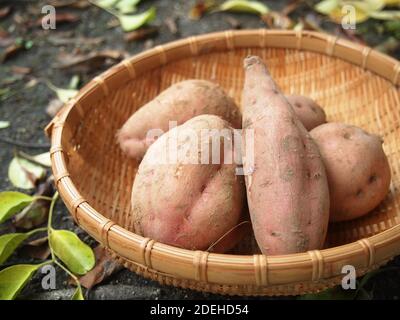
(42, 159)
(106, 3)
(172, 25)
(133, 22)
(11, 51)
(127, 6)
(5, 39)
(21, 70)
(31, 83)
(5, 93)
(291, 6)
(11, 79)
(77, 4)
(24, 174)
(201, 8)
(36, 213)
(4, 124)
(276, 20)
(5, 11)
(89, 62)
(141, 34)
(105, 267)
(53, 107)
(78, 41)
(63, 94)
(37, 249)
(62, 17)
(256, 7)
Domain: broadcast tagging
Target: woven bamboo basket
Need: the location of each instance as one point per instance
(353, 83)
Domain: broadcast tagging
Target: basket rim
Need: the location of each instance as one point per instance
(202, 266)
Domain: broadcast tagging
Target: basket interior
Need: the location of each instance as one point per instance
(104, 176)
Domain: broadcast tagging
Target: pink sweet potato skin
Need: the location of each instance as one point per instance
(180, 102)
(287, 188)
(357, 168)
(307, 110)
(187, 205)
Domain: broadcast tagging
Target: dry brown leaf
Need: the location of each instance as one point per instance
(77, 4)
(5, 11)
(78, 41)
(105, 267)
(291, 6)
(21, 70)
(11, 51)
(89, 62)
(141, 34)
(276, 20)
(36, 213)
(37, 249)
(62, 17)
(200, 9)
(53, 107)
(172, 25)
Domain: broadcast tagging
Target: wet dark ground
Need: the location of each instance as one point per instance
(25, 109)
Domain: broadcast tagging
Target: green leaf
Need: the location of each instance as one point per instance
(244, 6)
(127, 6)
(28, 44)
(8, 244)
(23, 173)
(74, 82)
(63, 94)
(11, 202)
(133, 22)
(4, 124)
(43, 159)
(5, 93)
(13, 279)
(326, 6)
(385, 15)
(77, 294)
(76, 255)
(106, 3)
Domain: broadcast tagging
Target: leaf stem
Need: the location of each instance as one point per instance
(53, 202)
(68, 272)
(46, 263)
(36, 231)
(42, 198)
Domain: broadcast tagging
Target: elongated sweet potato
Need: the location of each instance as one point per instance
(307, 110)
(189, 199)
(180, 102)
(357, 168)
(287, 188)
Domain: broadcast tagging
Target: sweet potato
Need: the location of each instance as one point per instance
(357, 168)
(287, 188)
(180, 102)
(183, 201)
(307, 110)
